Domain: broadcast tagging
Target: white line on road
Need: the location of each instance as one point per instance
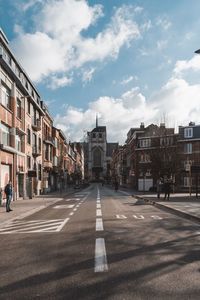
(156, 217)
(71, 214)
(140, 217)
(62, 225)
(75, 209)
(100, 256)
(121, 217)
(98, 213)
(98, 205)
(63, 206)
(99, 225)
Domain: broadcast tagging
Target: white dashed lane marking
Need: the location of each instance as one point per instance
(63, 206)
(100, 256)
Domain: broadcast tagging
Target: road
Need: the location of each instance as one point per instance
(100, 244)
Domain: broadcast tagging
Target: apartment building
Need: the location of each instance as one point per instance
(156, 155)
(20, 126)
(189, 150)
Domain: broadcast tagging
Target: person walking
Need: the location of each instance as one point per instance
(159, 187)
(9, 192)
(116, 185)
(167, 188)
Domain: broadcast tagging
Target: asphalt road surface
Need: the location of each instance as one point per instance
(100, 244)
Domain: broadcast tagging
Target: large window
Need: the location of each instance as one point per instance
(97, 157)
(19, 109)
(5, 135)
(188, 132)
(145, 143)
(5, 96)
(188, 148)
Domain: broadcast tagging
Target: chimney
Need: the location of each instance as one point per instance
(162, 125)
(191, 124)
(142, 125)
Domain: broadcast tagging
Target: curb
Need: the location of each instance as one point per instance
(170, 209)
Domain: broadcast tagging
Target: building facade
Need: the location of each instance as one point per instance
(99, 154)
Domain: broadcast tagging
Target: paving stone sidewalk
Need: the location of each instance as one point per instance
(24, 208)
(180, 204)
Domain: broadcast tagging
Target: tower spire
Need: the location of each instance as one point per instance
(96, 120)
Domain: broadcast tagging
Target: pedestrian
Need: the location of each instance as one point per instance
(116, 185)
(167, 188)
(9, 192)
(159, 187)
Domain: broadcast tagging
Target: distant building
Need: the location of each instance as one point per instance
(98, 154)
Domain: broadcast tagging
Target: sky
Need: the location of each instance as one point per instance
(128, 61)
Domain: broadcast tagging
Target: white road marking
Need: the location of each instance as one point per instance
(33, 226)
(121, 217)
(98, 205)
(71, 214)
(100, 256)
(156, 218)
(75, 209)
(140, 217)
(99, 225)
(63, 206)
(98, 213)
(98, 201)
(62, 225)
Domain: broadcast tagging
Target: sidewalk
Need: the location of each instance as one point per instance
(24, 208)
(180, 204)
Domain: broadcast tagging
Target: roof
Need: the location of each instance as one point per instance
(99, 129)
(110, 148)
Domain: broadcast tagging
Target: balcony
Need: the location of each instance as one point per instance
(36, 124)
(49, 140)
(36, 151)
(48, 165)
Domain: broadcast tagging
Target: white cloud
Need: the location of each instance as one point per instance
(57, 82)
(87, 75)
(164, 23)
(185, 65)
(128, 80)
(161, 44)
(58, 44)
(176, 100)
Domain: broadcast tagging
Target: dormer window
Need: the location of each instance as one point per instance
(188, 132)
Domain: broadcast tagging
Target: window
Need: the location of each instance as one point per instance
(28, 136)
(100, 135)
(39, 144)
(5, 96)
(188, 148)
(28, 162)
(5, 135)
(46, 154)
(145, 158)
(186, 181)
(94, 135)
(145, 143)
(29, 107)
(39, 171)
(18, 142)
(19, 109)
(97, 157)
(188, 132)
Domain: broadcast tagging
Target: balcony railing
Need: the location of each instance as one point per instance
(49, 140)
(36, 151)
(36, 124)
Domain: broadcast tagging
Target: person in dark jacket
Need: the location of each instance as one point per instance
(9, 192)
(167, 188)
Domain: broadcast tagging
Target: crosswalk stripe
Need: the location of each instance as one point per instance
(31, 226)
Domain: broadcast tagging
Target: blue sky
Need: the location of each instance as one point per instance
(129, 61)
